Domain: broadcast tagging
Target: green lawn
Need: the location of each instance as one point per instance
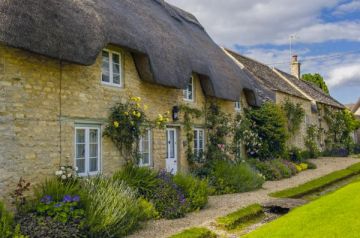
(333, 216)
(319, 183)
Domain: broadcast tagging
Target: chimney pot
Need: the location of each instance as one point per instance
(295, 66)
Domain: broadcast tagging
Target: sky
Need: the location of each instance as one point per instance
(325, 35)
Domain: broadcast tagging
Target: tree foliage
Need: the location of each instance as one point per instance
(270, 124)
(318, 80)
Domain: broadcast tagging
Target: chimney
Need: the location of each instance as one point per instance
(295, 66)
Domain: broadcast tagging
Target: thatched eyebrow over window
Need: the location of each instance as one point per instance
(168, 44)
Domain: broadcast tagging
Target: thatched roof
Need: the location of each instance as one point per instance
(313, 91)
(167, 43)
(266, 75)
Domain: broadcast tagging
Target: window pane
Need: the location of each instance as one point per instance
(105, 78)
(93, 150)
(93, 136)
(116, 69)
(195, 140)
(145, 146)
(93, 165)
(105, 67)
(146, 159)
(80, 163)
(80, 136)
(116, 58)
(116, 79)
(80, 151)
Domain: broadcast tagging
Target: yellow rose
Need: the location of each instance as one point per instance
(137, 105)
(126, 113)
(116, 124)
(134, 113)
(138, 114)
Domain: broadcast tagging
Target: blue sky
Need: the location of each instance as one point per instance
(327, 35)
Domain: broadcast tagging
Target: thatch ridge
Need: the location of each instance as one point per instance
(168, 44)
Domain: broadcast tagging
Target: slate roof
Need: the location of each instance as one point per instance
(266, 75)
(312, 90)
(167, 43)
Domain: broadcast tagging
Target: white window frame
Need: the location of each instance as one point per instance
(186, 91)
(148, 134)
(87, 129)
(111, 72)
(196, 145)
(237, 106)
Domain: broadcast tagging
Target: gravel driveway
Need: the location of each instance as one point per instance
(222, 205)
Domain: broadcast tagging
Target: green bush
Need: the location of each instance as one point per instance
(285, 171)
(57, 189)
(270, 124)
(6, 222)
(267, 169)
(232, 220)
(113, 209)
(227, 177)
(156, 187)
(311, 165)
(195, 232)
(196, 191)
(148, 210)
(141, 179)
(291, 166)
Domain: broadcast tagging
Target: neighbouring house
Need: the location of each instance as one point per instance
(63, 65)
(291, 87)
(356, 110)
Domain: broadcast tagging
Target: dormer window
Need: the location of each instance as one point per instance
(188, 92)
(238, 106)
(111, 70)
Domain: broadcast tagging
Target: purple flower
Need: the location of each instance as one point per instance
(58, 205)
(76, 198)
(67, 198)
(47, 199)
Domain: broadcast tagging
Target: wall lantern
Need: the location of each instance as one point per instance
(175, 113)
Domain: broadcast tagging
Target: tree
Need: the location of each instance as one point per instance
(318, 80)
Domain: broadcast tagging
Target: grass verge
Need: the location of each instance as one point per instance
(318, 183)
(333, 215)
(195, 232)
(232, 220)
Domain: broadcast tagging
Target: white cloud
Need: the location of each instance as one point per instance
(250, 22)
(347, 74)
(349, 7)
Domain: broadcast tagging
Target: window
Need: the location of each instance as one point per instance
(111, 69)
(198, 142)
(87, 150)
(145, 149)
(307, 120)
(238, 106)
(188, 92)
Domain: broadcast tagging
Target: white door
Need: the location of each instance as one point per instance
(171, 151)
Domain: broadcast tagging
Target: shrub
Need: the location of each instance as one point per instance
(159, 188)
(295, 155)
(148, 210)
(311, 165)
(196, 191)
(232, 220)
(141, 179)
(6, 222)
(303, 166)
(291, 166)
(270, 124)
(267, 169)
(34, 226)
(113, 209)
(228, 177)
(168, 198)
(284, 170)
(57, 189)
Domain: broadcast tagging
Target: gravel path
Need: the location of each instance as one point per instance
(222, 205)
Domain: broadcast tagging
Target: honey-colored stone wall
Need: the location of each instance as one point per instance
(41, 101)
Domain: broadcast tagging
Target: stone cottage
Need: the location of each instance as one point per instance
(356, 110)
(291, 87)
(63, 65)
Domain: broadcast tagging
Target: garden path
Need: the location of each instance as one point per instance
(222, 205)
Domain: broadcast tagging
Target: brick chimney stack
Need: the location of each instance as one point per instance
(295, 66)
